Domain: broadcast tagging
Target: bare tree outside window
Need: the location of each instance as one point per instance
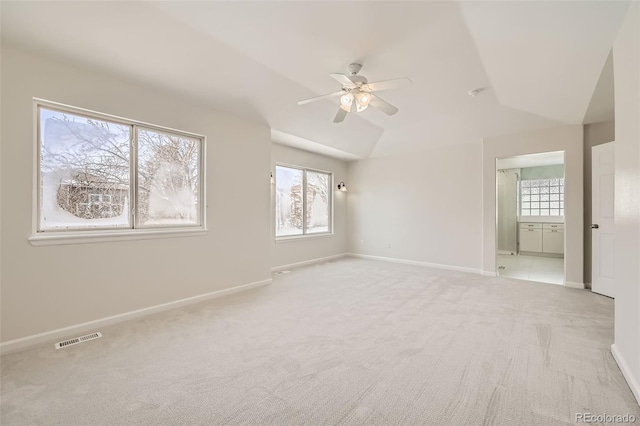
(167, 179)
(317, 202)
(293, 216)
(81, 158)
(86, 167)
(289, 212)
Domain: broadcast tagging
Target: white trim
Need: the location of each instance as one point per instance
(418, 263)
(24, 342)
(626, 372)
(489, 274)
(308, 262)
(288, 239)
(84, 237)
(507, 252)
(574, 285)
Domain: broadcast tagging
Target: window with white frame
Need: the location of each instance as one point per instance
(303, 201)
(98, 172)
(542, 197)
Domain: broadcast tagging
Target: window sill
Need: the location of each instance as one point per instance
(85, 237)
(289, 239)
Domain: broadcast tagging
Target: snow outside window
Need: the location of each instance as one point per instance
(87, 166)
(303, 202)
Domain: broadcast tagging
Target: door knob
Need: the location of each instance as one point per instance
(594, 226)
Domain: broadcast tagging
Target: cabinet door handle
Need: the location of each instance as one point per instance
(594, 226)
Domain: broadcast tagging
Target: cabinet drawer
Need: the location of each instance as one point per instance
(530, 225)
(558, 226)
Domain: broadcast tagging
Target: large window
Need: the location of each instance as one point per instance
(303, 201)
(97, 172)
(542, 197)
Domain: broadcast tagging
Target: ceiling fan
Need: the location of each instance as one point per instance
(357, 93)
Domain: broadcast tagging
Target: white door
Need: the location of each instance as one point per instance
(602, 230)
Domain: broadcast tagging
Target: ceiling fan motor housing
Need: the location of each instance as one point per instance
(358, 79)
(354, 68)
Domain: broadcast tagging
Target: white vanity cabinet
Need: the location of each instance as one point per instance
(530, 236)
(537, 237)
(553, 238)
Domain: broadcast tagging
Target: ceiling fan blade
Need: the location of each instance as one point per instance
(317, 98)
(340, 116)
(396, 83)
(382, 105)
(343, 79)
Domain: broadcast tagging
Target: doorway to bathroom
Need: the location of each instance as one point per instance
(530, 217)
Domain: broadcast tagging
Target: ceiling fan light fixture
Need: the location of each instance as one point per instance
(363, 99)
(360, 108)
(346, 100)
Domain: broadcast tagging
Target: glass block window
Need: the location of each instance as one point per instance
(542, 197)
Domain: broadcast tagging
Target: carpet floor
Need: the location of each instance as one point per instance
(349, 342)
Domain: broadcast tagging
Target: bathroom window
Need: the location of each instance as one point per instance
(542, 197)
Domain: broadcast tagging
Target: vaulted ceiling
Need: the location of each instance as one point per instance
(539, 62)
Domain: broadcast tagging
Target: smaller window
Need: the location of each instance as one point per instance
(303, 202)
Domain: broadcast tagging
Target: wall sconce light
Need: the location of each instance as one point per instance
(342, 187)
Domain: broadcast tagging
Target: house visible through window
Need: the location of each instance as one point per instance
(303, 201)
(542, 197)
(102, 173)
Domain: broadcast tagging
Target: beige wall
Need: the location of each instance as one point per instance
(45, 288)
(568, 139)
(594, 134)
(423, 207)
(300, 250)
(626, 58)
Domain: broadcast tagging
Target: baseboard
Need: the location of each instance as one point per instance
(507, 252)
(489, 274)
(418, 263)
(626, 372)
(574, 285)
(25, 342)
(307, 262)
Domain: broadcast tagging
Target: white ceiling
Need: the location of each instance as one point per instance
(540, 61)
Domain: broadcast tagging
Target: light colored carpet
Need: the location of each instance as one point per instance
(354, 342)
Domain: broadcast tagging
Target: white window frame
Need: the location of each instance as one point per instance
(304, 235)
(76, 236)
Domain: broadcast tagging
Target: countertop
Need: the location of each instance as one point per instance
(542, 219)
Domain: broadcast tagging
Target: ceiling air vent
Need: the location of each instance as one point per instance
(76, 340)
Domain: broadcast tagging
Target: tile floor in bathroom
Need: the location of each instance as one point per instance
(532, 268)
